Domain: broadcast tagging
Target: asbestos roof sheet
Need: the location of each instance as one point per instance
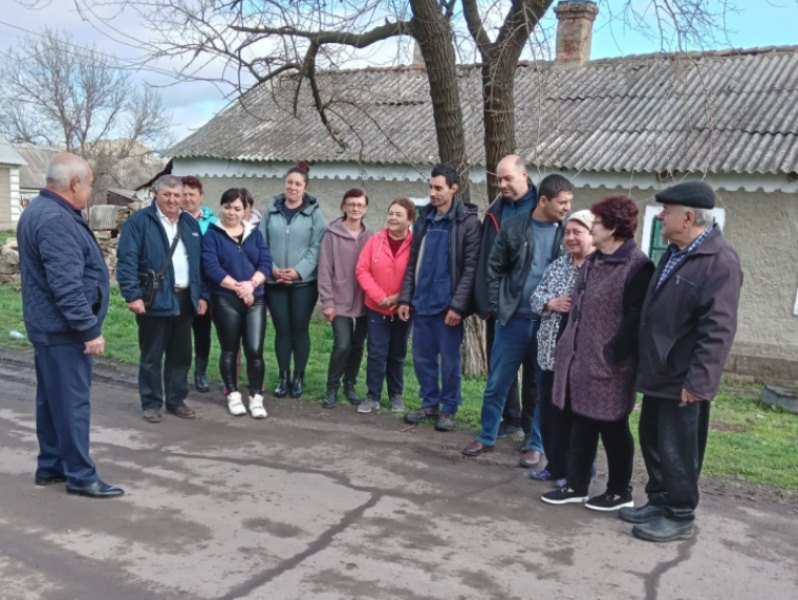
(8, 155)
(722, 112)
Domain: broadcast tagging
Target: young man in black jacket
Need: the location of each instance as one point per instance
(439, 286)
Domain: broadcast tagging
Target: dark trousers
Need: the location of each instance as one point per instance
(63, 386)
(518, 412)
(555, 427)
(349, 339)
(673, 439)
(436, 358)
(235, 321)
(387, 337)
(618, 444)
(291, 307)
(165, 380)
(201, 325)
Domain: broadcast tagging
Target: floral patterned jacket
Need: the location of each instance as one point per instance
(558, 280)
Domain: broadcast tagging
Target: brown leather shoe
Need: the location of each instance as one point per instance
(476, 448)
(182, 411)
(530, 459)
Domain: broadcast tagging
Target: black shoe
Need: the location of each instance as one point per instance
(641, 514)
(298, 385)
(664, 529)
(510, 430)
(330, 400)
(48, 479)
(350, 393)
(281, 391)
(609, 501)
(200, 380)
(98, 489)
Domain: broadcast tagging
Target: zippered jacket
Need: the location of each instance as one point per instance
(295, 244)
(222, 255)
(379, 272)
(338, 256)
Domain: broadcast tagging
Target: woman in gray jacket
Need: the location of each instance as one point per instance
(341, 296)
(293, 228)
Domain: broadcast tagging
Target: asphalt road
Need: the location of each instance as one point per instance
(330, 504)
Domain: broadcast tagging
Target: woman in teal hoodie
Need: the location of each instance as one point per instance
(293, 228)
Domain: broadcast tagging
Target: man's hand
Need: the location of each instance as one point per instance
(96, 346)
(452, 319)
(404, 312)
(560, 304)
(137, 307)
(329, 314)
(202, 308)
(688, 397)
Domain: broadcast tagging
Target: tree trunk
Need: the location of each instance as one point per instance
(475, 359)
(498, 85)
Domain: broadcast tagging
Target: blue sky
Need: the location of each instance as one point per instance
(755, 23)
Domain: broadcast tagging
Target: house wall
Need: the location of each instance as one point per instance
(762, 226)
(5, 198)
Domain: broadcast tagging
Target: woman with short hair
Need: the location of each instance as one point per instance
(596, 357)
(236, 261)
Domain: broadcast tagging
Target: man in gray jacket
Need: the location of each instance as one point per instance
(687, 326)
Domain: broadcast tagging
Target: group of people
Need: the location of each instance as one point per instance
(567, 297)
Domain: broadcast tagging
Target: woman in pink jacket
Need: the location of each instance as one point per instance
(380, 271)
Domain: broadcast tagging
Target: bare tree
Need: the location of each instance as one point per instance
(56, 92)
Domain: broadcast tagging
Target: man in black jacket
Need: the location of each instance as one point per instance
(518, 197)
(525, 247)
(439, 286)
(687, 326)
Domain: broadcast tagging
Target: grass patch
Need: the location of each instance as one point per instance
(748, 441)
(4, 235)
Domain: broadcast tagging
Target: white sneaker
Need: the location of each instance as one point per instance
(234, 404)
(256, 407)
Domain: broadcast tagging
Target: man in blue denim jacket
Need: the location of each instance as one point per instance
(64, 302)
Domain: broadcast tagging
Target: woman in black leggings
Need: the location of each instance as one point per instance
(236, 261)
(293, 228)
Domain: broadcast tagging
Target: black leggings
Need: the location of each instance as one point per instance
(202, 336)
(618, 444)
(235, 320)
(291, 307)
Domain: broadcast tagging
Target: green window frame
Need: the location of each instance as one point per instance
(658, 246)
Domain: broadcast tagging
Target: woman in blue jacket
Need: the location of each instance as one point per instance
(236, 261)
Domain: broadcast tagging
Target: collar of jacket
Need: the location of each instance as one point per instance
(619, 256)
(309, 204)
(60, 199)
(459, 211)
(248, 229)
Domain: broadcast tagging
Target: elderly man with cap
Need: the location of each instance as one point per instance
(687, 326)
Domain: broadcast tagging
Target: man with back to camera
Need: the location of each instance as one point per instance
(439, 286)
(64, 300)
(687, 327)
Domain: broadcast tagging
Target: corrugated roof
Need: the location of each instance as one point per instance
(9, 156)
(33, 176)
(722, 112)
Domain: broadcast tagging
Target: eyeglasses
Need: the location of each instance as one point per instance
(354, 206)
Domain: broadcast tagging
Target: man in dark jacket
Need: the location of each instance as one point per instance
(64, 302)
(518, 197)
(687, 326)
(165, 325)
(524, 248)
(439, 285)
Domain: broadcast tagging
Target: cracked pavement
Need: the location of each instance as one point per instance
(331, 504)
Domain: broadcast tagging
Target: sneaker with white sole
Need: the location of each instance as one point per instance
(609, 501)
(235, 405)
(397, 405)
(368, 405)
(256, 407)
(563, 495)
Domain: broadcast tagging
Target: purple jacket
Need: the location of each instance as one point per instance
(596, 357)
(338, 256)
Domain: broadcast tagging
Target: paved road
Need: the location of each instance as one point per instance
(328, 504)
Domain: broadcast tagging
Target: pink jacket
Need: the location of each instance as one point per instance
(379, 272)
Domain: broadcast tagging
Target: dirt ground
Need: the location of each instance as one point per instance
(314, 503)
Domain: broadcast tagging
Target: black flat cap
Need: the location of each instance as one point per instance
(695, 194)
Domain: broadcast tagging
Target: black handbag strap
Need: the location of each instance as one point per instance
(166, 260)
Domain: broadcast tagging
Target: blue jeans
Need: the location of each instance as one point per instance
(515, 344)
(387, 350)
(436, 353)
